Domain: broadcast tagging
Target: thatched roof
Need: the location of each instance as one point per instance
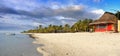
(107, 17)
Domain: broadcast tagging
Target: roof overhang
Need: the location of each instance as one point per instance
(96, 23)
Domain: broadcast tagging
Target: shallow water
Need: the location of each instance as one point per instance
(17, 45)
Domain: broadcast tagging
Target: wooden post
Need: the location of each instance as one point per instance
(98, 27)
(118, 25)
(106, 27)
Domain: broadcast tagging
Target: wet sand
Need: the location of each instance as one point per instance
(78, 44)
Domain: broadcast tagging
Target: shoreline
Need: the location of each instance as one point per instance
(41, 49)
(78, 44)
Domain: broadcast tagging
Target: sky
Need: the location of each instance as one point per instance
(20, 15)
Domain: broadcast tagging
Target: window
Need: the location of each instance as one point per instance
(101, 26)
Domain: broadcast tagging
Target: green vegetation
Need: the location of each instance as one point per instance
(118, 15)
(80, 26)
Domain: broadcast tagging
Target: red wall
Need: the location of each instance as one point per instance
(109, 28)
(100, 30)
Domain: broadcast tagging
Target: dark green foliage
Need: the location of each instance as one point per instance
(80, 26)
(118, 15)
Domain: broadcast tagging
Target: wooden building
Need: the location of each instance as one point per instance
(107, 22)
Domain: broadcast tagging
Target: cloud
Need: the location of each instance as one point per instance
(13, 27)
(37, 24)
(49, 15)
(98, 11)
(21, 4)
(1, 17)
(74, 11)
(63, 18)
(70, 11)
(8, 10)
(14, 22)
(27, 14)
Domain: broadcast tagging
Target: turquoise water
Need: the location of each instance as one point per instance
(17, 45)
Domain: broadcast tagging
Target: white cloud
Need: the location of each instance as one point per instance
(15, 20)
(37, 24)
(21, 4)
(98, 11)
(63, 18)
(56, 13)
(73, 7)
(77, 7)
(55, 5)
(67, 22)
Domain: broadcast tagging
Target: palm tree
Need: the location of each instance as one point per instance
(40, 29)
(66, 28)
(118, 15)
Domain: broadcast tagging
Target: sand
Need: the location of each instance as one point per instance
(78, 44)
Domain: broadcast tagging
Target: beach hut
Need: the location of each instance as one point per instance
(107, 22)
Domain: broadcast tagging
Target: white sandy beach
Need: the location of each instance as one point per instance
(78, 44)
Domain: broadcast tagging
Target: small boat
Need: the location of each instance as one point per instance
(13, 34)
(10, 33)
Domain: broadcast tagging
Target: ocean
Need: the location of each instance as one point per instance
(17, 45)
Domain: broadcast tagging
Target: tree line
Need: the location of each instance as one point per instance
(80, 26)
